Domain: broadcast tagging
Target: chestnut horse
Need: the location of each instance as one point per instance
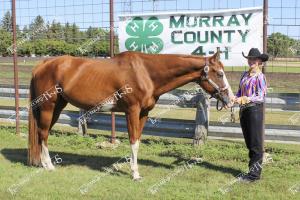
(87, 82)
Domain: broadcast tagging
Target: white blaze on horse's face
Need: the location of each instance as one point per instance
(227, 86)
(221, 85)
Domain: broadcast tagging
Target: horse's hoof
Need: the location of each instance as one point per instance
(48, 167)
(138, 179)
(51, 168)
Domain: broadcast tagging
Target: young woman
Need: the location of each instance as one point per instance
(251, 97)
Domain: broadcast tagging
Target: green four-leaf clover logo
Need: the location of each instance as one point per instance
(143, 35)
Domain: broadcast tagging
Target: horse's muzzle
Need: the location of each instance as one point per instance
(226, 101)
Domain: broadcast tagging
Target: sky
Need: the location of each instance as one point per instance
(284, 15)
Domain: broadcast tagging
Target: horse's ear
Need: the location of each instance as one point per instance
(216, 56)
(218, 53)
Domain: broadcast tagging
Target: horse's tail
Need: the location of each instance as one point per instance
(34, 145)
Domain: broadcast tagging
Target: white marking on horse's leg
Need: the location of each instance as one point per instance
(133, 161)
(45, 158)
(230, 93)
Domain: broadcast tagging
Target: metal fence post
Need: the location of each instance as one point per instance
(111, 45)
(265, 42)
(15, 60)
(265, 29)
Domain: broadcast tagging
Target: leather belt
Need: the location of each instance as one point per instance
(248, 105)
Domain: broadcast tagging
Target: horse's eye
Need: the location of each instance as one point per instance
(220, 74)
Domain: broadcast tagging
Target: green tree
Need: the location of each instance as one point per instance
(25, 31)
(55, 48)
(55, 30)
(6, 22)
(53, 39)
(100, 48)
(37, 28)
(5, 42)
(68, 33)
(92, 32)
(26, 49)
(39, 47)
(280, 45)
(75, 33)
(37, 23)
(71, 49)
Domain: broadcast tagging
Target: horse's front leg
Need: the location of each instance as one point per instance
(134, 138)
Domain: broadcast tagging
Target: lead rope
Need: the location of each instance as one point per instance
(232, 115)
(217, 106)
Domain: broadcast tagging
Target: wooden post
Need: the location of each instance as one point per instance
(111, 45)
(202, 118)
(82, 128)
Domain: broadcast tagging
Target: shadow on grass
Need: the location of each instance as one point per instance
(220, 168)
(91, 161)
(209, 166)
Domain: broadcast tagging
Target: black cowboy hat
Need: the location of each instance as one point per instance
(255, 53)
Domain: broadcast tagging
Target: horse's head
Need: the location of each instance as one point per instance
(213, 80)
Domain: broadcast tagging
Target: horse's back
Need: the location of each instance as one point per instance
(88, 81)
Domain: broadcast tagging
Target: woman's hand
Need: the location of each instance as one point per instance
(238, 100)
(241, 100)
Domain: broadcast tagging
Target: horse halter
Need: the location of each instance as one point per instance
(217, 94)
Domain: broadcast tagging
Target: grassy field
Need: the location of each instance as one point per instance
(160, 161)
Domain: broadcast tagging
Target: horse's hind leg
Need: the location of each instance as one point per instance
(46, 115)
(59, 106)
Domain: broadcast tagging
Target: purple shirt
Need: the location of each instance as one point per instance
(254, 87)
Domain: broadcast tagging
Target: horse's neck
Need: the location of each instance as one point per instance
(174, 71)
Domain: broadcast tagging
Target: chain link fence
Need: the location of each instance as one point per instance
(82, 28)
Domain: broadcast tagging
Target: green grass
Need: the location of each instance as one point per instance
(21, 63)
(21, 75)
(159, 158)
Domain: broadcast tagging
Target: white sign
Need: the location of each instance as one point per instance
(200, 33)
